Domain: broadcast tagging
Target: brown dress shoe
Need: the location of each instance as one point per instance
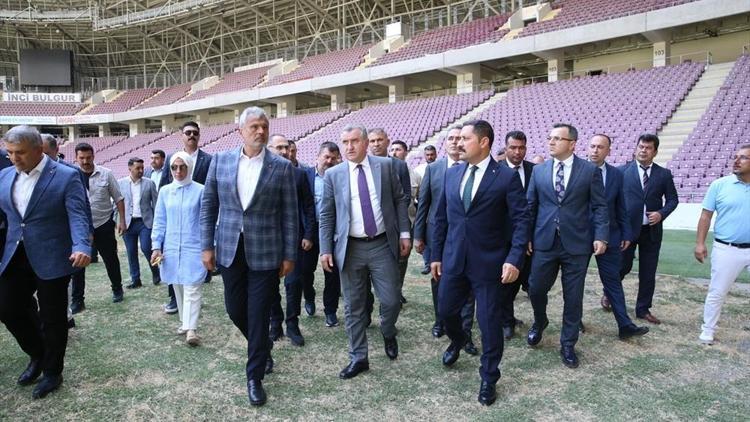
(605, 303)
(650, 318)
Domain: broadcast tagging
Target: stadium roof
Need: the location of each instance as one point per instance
(172, 41)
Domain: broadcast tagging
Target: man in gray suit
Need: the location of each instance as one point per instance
(429, 196)
(256, 240)
(140, 200)
(364, 229)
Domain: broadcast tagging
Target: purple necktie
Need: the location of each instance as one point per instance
(371, 229)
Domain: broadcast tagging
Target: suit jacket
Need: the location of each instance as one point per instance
(583, 192)
(429, 195)
(310, 178)
(492, 232)
(619, 224)
(200, 169)
(528, 167)
(148, 200)
(4, 160)
(335, 213)
(660, 195)
(402, 170)
(56, 222)
(306, 206)
(270, 223)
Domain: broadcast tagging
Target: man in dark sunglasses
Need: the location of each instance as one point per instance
(191, 135)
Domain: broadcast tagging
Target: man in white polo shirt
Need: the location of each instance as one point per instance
(729, 197)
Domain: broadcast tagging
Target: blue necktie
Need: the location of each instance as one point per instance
(560, 181)
(468, 188)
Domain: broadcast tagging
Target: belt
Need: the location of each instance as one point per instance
(367, 239)
(736, 245)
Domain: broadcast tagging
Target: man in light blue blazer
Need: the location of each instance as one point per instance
(364, 229)
(560, 194)
(49, 236)
(256, 240)
(139, 194)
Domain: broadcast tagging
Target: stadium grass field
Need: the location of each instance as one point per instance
(124, 362)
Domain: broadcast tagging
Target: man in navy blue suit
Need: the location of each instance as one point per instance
(609, 263)
(650, 196)
(560, 193)
(480, 235)
(40, 253)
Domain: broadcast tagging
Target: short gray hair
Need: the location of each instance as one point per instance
(22, 133)
(458, 126)
(378, 131)
(356, 126)
(49, 140)
(255, 112)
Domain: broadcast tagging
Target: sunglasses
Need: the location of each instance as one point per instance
(191, 132)
(176, 167)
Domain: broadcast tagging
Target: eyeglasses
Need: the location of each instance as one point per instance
(558, 139)
(175, 167)
(191, 132)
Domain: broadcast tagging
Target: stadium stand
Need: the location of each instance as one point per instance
(581, 12)
(124, 102)
(99, 143)
(324, 64)
(410, 121)
(166, 96)
(8, 108)
(708, 152)
(449, 37)
(232, 82)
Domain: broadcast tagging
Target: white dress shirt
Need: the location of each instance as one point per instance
(135, 195)
(640, 176)
(248, 173)
(357, 222)
(481, 168)
(24, 185)
(521, 171)
(568, 167)
(156, 176)
(194, 156)
(451, 162)
(603, 167)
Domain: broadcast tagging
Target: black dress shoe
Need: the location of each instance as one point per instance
(438, 330)
(295, 335)
(568, 355)
(470, 348)
(368, 320)
(256, 393)
(77, 307)
(332, 320)
(208, 278)
(425, 270)
(450, 356)
(632, 331)
(117, 296)
(354, 369)
(31, 373)
(487, 393)
(48, 384)
(134, 285)
(71, 323)
(269, 365)
(310, 308)
(582, 328)
(535, 332)
(275, 332)
(403, 300)
(156, 281)
(391, 347)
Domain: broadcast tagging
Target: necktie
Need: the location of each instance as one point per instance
(371, 229)
(645, 176)
(455, 163)
(601, 173)
(468, 188)
(516, 168)
(560, 181)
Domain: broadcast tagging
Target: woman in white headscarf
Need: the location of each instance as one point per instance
(176, 242)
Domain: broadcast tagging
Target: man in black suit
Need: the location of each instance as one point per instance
(609, 263)
(480, 237)
(515, 154)
(650, 196)
(430, 191)
(559, 191)
(191, 135)
(308, 233)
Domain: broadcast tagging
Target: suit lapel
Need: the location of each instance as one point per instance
(377, 176)
(489, 176)
(575, 171)
(547, 182)
(454, 186)
(14, 176)
(41, 185)
(234, 164)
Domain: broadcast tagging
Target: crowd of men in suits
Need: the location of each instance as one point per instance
(486, 228)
